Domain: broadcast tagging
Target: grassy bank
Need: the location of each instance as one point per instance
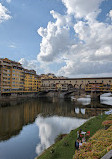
(65, 149)
(99, 144)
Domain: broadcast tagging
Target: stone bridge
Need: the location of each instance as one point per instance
(94, 94)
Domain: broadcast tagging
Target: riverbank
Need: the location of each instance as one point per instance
(65, 148)
(13, 97)
(99, 144)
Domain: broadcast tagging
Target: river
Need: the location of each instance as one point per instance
(28, 127)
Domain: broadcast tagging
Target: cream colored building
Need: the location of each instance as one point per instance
(78, 83)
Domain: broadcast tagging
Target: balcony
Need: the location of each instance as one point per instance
(6, 64)
(6, 87)
(4, 75)
(6, 84)
(5, 80)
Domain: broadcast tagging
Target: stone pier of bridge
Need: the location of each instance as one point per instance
(95, 96)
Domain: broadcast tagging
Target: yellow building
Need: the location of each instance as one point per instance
(15, 79)
(11, 76)
(38, 83)
(32, 81)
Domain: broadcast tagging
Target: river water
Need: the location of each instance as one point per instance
(29, 127)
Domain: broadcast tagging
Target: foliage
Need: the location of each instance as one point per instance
(109, 117)
(97, 146)
(107, 122)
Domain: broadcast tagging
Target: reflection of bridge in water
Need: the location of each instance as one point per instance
(15, 115)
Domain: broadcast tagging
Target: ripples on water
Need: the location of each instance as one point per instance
(29, 127)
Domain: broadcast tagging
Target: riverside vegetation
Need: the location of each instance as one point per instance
(99, 144)
(65, 148)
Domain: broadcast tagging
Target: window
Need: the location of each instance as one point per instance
(8, 70)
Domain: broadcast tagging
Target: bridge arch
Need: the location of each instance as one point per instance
(70, 86)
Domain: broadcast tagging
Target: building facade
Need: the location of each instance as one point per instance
(32, 81)
(14, 78)
(11, 76)
(74, 83)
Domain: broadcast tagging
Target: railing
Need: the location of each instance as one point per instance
(102, 89)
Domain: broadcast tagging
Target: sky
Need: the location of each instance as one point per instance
(71, 38)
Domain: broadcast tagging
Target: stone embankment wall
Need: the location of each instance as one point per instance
(18, 96)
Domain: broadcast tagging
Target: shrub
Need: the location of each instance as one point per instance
(97, 146)
(109, 117)
(107, 122)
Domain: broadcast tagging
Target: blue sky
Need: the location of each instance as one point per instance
(69, 38)
(21, 30)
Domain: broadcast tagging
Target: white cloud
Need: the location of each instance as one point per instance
(35, 65)
(30, 64)
(4, 13)
(12, 45)
(110, 14)
(8, 1)
(89, 51)
(81, 8)
(50, 127)
(55, 38)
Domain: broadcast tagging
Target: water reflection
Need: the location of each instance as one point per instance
(83, 111)
(106, 98)
(22, 134)
(77, 110)
(14, 117)
(50, 127)
(84, 101)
